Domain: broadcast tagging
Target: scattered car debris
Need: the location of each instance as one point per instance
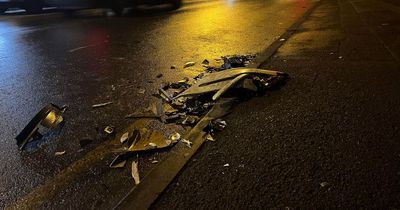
(102, 104)
(124, 137)
(135, 172)
(49, 118)
(282, 40)
(59, 153)
(218, 124)
(175, 136)
(173, 67)
(189, 64)
(187, 143)
(85, 142)
(186, 102)
(159, 75)
(109, 129)
(209, 137)
(141, 91)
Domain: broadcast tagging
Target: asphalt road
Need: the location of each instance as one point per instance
(93, 59)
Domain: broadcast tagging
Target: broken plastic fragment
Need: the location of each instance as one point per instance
(154, 161)
(209, 137)
(226, 165)
(218, 124)
(173, 67)
(109, 129)
(135, 172)
(205, 62)
(59, 153)
(48, 119)
(175, 137)
(187, 143)
(189, 64)
(142, 91)
(159, 75)
(124, 137)
(102, 104)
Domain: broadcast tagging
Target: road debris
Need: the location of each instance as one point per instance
(209, 137)
(101, 105)
(124, 137)
(141, 91)
(324, 184)
(189, 64)
(198, 103)
(47, 121)
(173, 67)
(159, 75)
(135, 172)
(175, 136)
(109, 129)
(59, 153)
(187, 143)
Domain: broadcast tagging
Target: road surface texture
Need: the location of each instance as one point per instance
(328, 140)
(92, 59)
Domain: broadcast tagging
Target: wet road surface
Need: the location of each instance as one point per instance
(93, 59)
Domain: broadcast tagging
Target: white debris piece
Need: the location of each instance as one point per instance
(135, 172)
(226, 165)
(59, 153)
(187, 142)
(124, 137)
(102, 104)
(189, 64)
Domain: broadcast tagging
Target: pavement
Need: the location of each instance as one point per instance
(327, 139)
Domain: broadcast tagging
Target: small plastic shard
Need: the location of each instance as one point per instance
(154, 161)
(189, 64)
(218, 124)
(124, 137)
(109, 129)
(173, 67)
(281, 40)
(175, 137)
(134, 138)
(118, 162)
(59, 153)
(135, 172)
(187, 143)
(209, 137)
(141, 91)
(102, 104)
(159, 75)
(324, 184)
(226, 165)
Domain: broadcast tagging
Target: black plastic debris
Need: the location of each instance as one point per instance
(49, 118)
